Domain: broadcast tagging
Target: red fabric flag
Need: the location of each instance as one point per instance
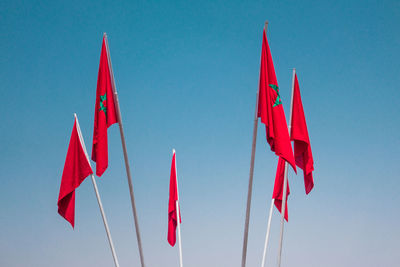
(76, 169)
(173, 197)
(270, 108)
(278, 188)
(104, 112)
(299, 134)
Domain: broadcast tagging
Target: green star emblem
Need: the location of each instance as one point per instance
(278, 100)
(102, 107)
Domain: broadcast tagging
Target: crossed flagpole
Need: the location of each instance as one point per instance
(103, 215)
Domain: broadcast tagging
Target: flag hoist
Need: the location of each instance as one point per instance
(107, 112)
(270, 110)
(302, 150)
(303, 157)
(174, 213)
(76, 169)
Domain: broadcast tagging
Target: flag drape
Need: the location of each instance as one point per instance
(270, 108)
(76, 169)
(173, 197)
(278, 188)
(104, 113)
(299, 134)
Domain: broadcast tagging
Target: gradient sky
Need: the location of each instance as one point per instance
(187, 74)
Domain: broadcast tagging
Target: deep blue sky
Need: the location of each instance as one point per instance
(187, 74)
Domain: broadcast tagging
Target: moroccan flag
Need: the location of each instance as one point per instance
(278, 187)
(270, 108)
(104, 112)
(173, 197)
(299, 134)
(76, 169)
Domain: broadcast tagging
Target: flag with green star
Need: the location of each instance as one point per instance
(270, 108)
(104, 112)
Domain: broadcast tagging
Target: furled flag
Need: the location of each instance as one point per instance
(104, 112)
(299, 134)
(173, 198)
(277, 194)
(270, 108)
(76, 169)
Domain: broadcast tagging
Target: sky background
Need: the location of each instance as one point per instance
(187, 74)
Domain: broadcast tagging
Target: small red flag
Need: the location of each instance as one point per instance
(299, 134)
(173, 197)
(278, 188)
(104, 112)
(270, 108)
(76, 169)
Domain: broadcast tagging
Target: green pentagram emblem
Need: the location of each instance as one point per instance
(278, 100)
(102, 107)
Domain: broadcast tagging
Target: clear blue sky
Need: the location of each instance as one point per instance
(187, 74)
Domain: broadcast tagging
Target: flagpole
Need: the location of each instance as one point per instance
(127, 167)
(103, 215)
(284, 198)
(178, 214)
(250, 188)
(267, 234)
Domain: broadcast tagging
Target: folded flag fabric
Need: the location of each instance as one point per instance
(299, 134)
(173, 198)
(277, 194)
(104, 112)
(76, 169)
(270, 108)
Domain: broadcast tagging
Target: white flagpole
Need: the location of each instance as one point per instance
(178, 214)
(128, 170)
(250, 188)
(103, 215)
(285, 180)
(267, 234)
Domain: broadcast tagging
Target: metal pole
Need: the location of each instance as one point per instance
(250, 188)
(128, 170)
(179, 234)
(268, 231)
(285, 181)
(178, 214)
(103, 215)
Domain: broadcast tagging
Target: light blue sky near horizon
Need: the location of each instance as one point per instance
(187, 74)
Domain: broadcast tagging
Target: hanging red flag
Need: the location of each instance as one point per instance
(76, 169)
(299, 134)
(270, 108)
(278, 187)
(104, 112)
(173, 198)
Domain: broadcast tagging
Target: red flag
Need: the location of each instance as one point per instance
(76, 169)
(173, 197)
(278, 187)
(104, 112)
(270, 108)
(299, 134)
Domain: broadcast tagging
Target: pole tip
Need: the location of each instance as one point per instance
(266, 26)
(173, 151)
(75, 115)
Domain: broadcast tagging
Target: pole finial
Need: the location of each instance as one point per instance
(173, 151)
(266, 25)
